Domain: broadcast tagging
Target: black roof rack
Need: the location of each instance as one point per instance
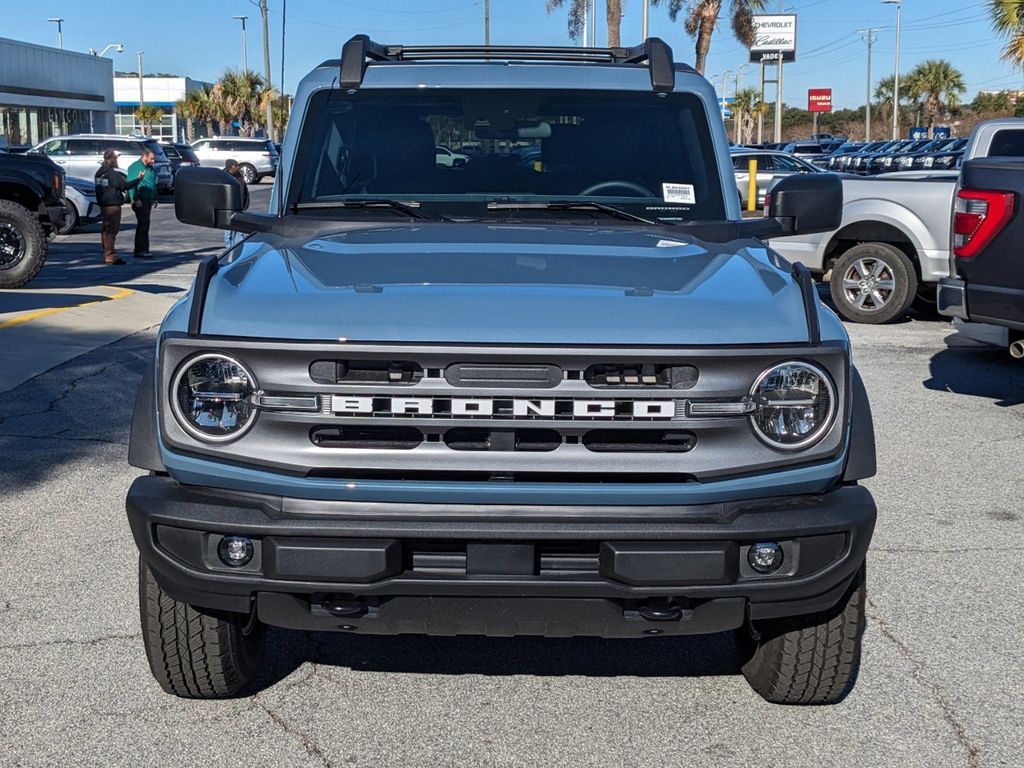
(654, 52)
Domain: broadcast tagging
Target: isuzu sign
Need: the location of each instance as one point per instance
(774, 38)
(819, 100)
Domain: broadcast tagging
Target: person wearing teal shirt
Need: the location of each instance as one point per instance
(143, 199)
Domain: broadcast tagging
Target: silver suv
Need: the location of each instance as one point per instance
(80, 155)
(256, 158)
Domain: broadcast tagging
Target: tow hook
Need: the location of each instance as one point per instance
(661, 611)
(1017, 349)
(343, 606)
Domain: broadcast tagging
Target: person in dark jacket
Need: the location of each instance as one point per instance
(111, 186)
(231, 166)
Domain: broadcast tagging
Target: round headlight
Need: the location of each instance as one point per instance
(795, 404)
(211, 396)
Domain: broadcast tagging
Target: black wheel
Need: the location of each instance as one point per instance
(70, 221)
(807, 659)
(195, 653)
(249, 174)
(873, 283)
(22, 245)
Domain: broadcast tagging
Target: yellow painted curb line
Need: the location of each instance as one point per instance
(124, 292)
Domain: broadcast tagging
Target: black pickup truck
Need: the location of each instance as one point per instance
(32, 206)
(986, 298)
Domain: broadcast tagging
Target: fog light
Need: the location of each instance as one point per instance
(235, 551)
(765, 556)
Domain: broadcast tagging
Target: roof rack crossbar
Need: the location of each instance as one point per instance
(654, 51)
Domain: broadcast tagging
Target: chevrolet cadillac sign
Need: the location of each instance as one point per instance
(774, 38)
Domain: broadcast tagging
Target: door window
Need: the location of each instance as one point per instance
(55, 147)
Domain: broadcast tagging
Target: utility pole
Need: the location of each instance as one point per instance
(593, 27)
(778, 104)
(487, 22)
(139, 57)
(266, 65)
(646, 20)
(896, 76)
(245, 48)
(869, 36)
(60, 31)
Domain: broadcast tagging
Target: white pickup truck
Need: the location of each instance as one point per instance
(893, 246)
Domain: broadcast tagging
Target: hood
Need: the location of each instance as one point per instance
(485, 283)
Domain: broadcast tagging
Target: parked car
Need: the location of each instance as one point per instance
(804, 149)
(893, 246)
(943, 160)
(32, 206)
(889, 161)
(573, 400)
(984, 295)
(80, 155)
(257, 158)
(907, 159)
(447, 158)
(180, 155)
(838, 160)
(770, 166)
(859, 160)
(82, 208)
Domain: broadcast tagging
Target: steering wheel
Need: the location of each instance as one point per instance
(601, 186)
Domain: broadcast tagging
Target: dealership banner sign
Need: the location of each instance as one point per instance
(774, 38)
(819, 100)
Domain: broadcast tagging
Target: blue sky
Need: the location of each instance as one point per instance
(199, 38)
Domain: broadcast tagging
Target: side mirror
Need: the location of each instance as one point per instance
(805, 204)
(206, 197)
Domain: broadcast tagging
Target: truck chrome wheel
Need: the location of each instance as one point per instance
(873, 283)
(12, 245)
(869, 284)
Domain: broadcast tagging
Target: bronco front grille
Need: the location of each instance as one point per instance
(463, 413)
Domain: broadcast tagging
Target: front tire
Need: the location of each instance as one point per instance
(873, 283)
(70, 221)
(249, 174)
(193, 652)
(807, 659)
(23, 245)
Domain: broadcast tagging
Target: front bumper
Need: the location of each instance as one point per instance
(382, 568)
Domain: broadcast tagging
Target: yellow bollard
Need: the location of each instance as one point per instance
(752, 185)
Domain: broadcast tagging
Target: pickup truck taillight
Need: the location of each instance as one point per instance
(980, 215)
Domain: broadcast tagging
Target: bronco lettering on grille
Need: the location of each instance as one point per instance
(501, 407)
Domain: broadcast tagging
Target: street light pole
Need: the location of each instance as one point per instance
(138, 55)
(487, 22)
(60, 31)
(896, 77)
(266, 65)
(245, 48)
(646, 19)
(869, 36)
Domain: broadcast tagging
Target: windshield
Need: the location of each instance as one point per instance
(648, 154)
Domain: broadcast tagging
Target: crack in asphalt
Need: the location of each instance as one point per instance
(67, 641)
(304, 738)
(59, 436)
(917, 672)
(68, 390)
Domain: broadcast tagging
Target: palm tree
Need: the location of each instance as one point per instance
(241, 96)
(936, 85)
(1008, 20)
(578, 13)
(197, 107)
(148, 115)
(746, 106)
(701, 18)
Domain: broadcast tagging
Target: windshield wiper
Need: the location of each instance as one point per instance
(570, 205)
(364, 203)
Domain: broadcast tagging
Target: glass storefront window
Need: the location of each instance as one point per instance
(31, 125)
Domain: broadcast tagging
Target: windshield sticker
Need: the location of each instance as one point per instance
(678, 193)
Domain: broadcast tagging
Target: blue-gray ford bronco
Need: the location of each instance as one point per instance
(502, 358)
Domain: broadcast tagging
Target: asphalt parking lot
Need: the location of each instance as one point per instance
(939, 684)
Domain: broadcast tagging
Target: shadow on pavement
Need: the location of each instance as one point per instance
(697, 656)
(21, 301)
(986, 372)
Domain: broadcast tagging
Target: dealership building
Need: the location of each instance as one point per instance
(46, 92)
(160, 92)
